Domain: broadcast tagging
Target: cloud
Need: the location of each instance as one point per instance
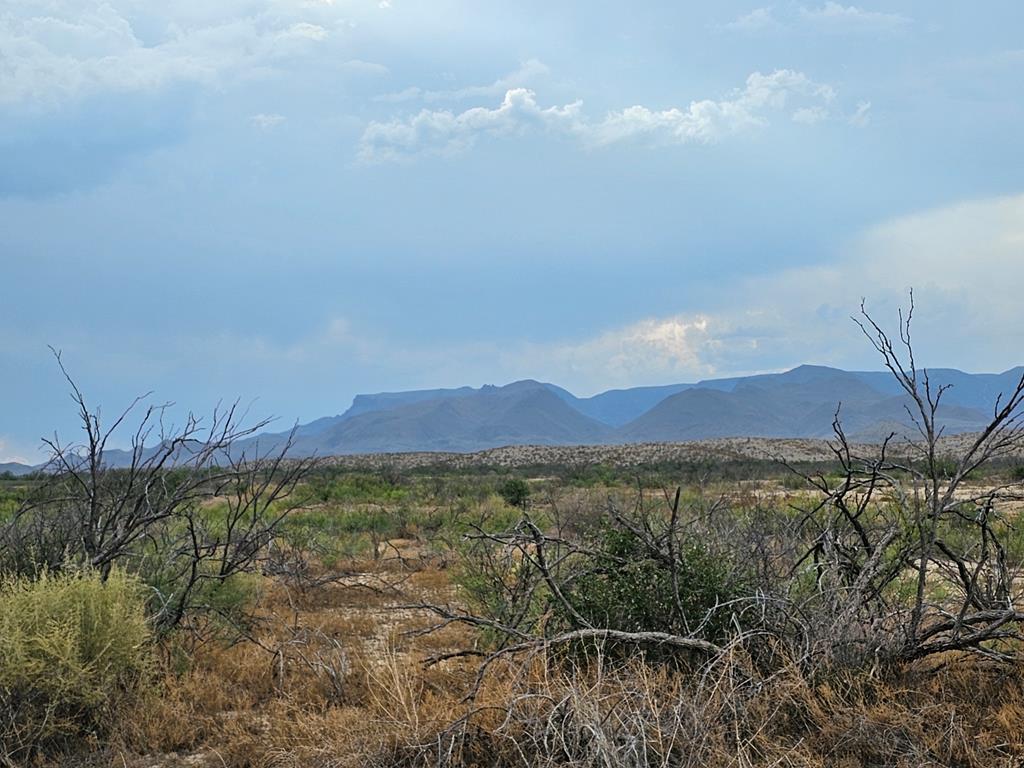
(862, 116)
(86, 143)
(651, 350)
(70, 49)
(965, 263)
(709, 120)
(526, 72)
(304, 30)
(267, 122)
(407, 94)
(442, 132)
(365, 67)
(758, 20)
(90, 87)
(849, 17)
(445, 133)
(832, 17)
(810, 115)
(674, 348)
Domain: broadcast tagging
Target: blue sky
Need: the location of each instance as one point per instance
(292, 201)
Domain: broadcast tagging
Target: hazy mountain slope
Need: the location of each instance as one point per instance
(971, 390)
(702, 412)
(798, 403)
(14, 468)
(524, 412)
(620, 406)
(875, 420)
(384, 401)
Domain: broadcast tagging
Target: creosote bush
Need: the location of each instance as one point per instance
(73, 650)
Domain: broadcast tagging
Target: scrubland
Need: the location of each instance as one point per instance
(405, 620)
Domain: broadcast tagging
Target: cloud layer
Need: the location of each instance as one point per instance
(443, 132)
(832, 17)
(527, 71)
(64, 50)
(965, 262)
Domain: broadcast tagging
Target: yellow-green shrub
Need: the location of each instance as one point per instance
(73, 648)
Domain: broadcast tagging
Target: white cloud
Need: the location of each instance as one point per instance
(810, 115)
(709, 120)
(965, 263)
(757, 20)
(444, 132)
(305, 30)
(67, 49)
(365, 67)
(527, 71)
(406, 94)
(651, 350)
(863, 114)
(267, 122)
(837, 16)
(831, 16)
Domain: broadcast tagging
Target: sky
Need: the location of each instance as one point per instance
(288, 202)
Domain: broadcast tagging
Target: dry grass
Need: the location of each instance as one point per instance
(337, 679)
(247, 706)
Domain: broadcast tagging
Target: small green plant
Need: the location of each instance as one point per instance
(73, 649)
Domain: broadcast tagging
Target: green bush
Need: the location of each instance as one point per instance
(73, 649)
(516, 492)
(356, 488)
(631, 589)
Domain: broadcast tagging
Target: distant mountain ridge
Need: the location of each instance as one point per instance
(15, 468)
(800, 403)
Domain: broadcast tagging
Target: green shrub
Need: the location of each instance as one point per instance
(516, 492)
(631, 589)
(356, 488)
(73, 649)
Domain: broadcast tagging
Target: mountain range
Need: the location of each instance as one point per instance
(800, 403)
(14, 468)
(797, 403)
